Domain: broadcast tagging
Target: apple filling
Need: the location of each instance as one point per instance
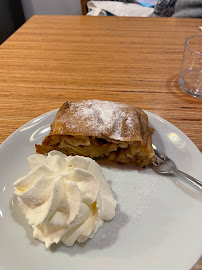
(102, 150)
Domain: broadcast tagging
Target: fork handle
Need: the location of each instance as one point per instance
(190, 178)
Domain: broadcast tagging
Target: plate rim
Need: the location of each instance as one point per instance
(149, 114)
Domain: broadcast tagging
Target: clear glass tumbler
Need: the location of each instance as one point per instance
(190, 79)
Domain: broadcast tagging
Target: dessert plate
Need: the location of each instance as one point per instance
(158, 218)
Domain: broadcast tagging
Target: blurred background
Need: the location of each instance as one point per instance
(13, 13)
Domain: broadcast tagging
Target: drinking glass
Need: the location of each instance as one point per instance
(190, 79)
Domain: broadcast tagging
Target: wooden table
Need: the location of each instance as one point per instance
(51, 59)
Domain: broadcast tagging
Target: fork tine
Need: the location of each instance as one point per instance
(157, 161)
(165, 165)
(159, 153)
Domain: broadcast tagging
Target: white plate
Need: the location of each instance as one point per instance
(158, 218)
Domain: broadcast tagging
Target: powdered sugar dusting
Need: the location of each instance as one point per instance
(96, 117)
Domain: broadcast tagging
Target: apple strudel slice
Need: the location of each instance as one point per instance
(109, 132)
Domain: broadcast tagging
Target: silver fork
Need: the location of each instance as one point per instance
(164, 164)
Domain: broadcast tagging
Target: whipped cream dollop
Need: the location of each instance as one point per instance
(64, 198)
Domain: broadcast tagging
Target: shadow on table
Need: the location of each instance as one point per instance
(174, 89)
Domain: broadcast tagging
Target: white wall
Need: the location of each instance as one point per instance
(51, 7)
